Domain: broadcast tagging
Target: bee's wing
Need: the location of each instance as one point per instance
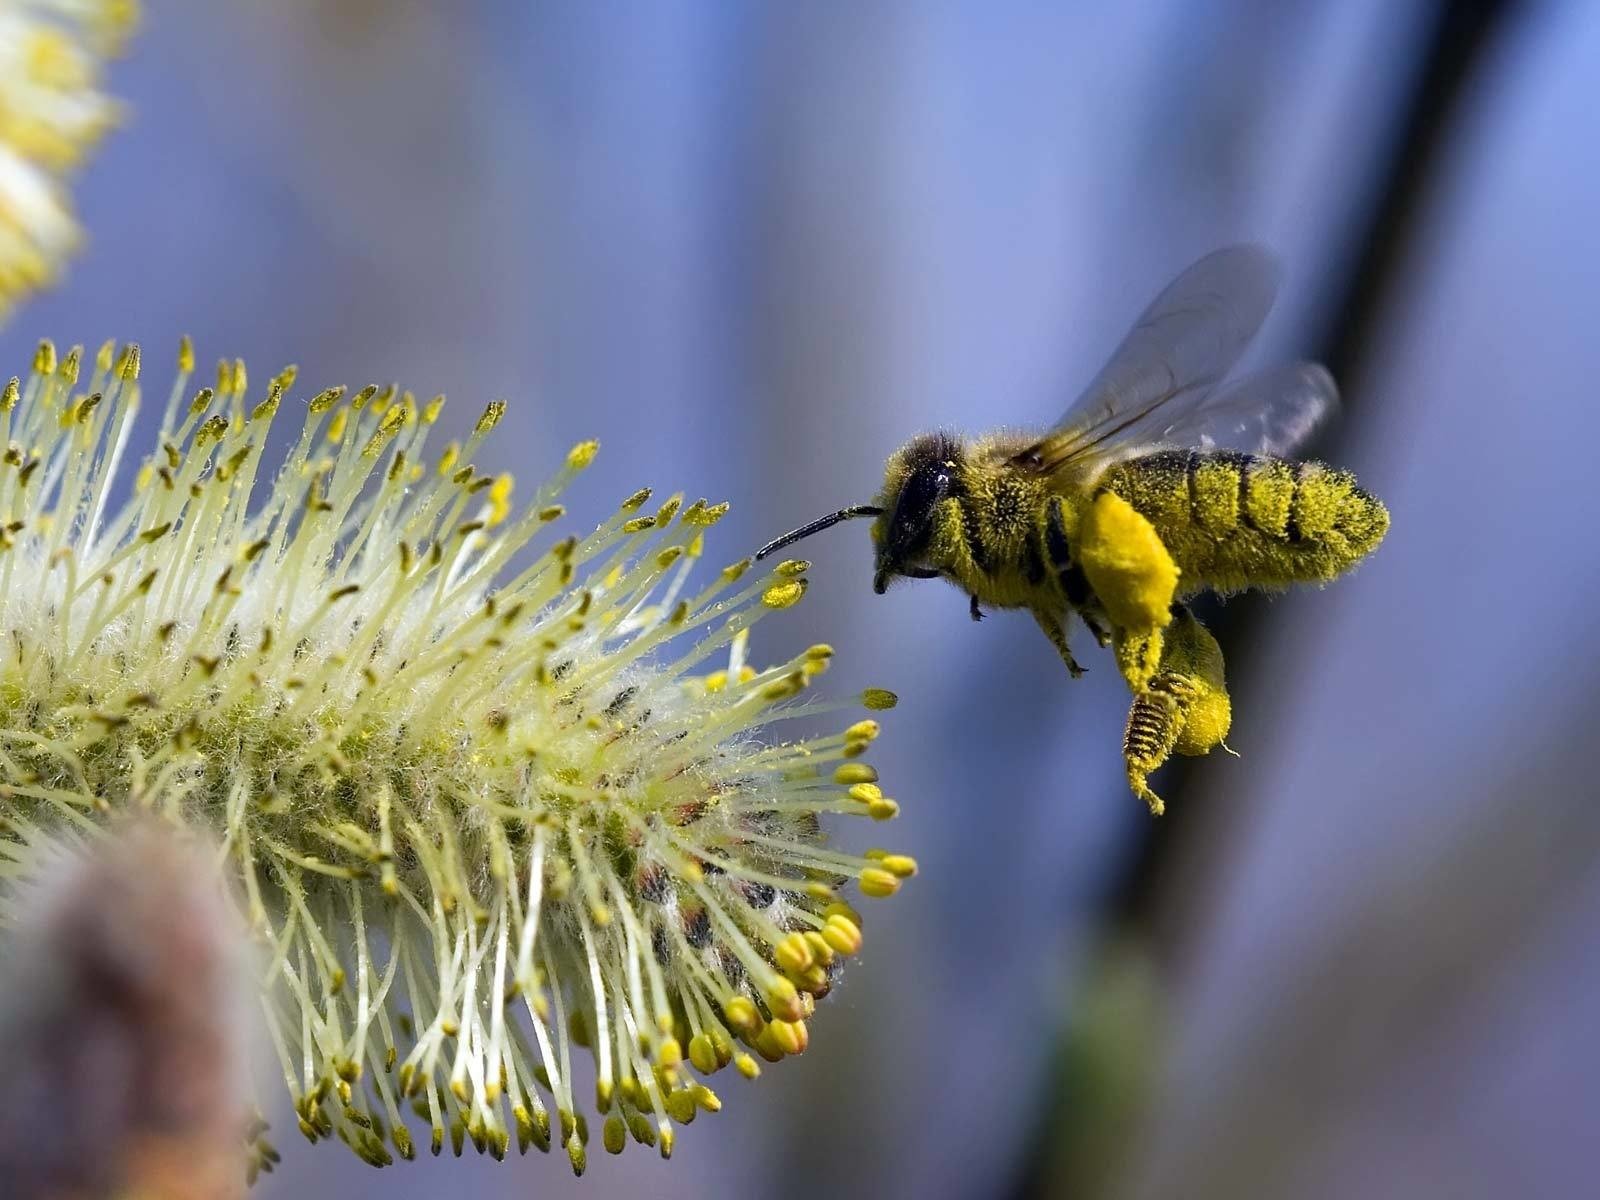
(1180, 349)
(1269, 412)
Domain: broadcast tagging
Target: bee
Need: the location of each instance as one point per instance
(1161, 482)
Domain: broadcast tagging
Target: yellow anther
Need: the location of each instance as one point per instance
(782, 689)
(793, 953)
(614, 1134)
(862, 731)
(783, 998)
(669, 1053)
(841, 909)
(865, 793)
(843, 934)
(740, 1012)
(883, 809)
(491, 417)
(853, 773)
(878, 883)
(581, 455)
(791, 1037)
(791, 568)
(879, 699)
(702, 1054)
(746, 1066)
(500, 498)
(213, 430)
(784, 595)
(820, 950)
(325, 399)
(680, 1105)
(901, 865)
(766, 1045)
(268, 406)
(812, 667)
(706, 1098)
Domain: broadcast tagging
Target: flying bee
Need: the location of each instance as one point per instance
(1159, 483)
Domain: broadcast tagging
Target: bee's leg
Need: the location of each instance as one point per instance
(1069, 574)
(1185, 709)
(1096, 630)
(1051, 624)
(977, 613)
(1139, 655)
(1154, 719)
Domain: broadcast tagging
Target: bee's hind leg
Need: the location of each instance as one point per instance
(1184, 710)
(977, 613)
(1051, 624)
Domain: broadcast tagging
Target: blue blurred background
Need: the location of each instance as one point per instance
(755, 247)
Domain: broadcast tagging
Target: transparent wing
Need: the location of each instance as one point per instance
(1177, 352)
(1269, 412)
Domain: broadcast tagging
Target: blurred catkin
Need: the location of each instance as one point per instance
(121, 1025)
(52, 114)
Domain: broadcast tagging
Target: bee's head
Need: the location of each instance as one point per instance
(919, 477)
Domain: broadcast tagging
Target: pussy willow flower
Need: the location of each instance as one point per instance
(490, 792)
(52, 113)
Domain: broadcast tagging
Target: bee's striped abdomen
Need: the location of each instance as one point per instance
(1235, 521)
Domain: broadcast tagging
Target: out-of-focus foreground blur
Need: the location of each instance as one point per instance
(752, 248)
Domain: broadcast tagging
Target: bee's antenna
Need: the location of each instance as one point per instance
(817, 526)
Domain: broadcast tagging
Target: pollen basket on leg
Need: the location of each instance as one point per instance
(491, 791)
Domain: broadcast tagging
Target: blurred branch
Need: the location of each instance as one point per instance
(1145, 911)
(1463, 36)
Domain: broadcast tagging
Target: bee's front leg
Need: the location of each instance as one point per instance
(977, 613)
(1051, 624)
